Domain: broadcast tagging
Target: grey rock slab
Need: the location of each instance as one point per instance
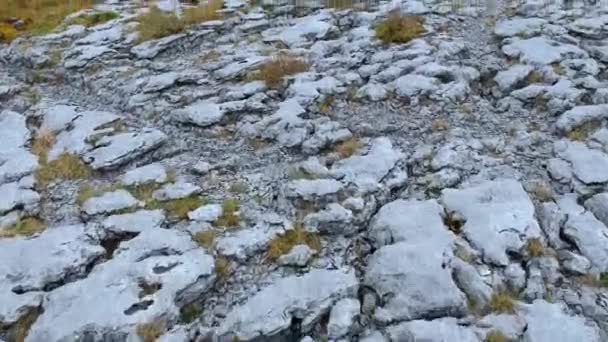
(334, 219)
(415, 85)
(285, 125)
(342, 317)
(310, 189)
(16, 164)
(510, 78)
(240, 66)
(312, 26)
(580, 115)
(206, 213)
(307, 297)
(109, 202)
(177, 190)
(244, 243)
(499, 217)
(113, 151)
(58, 254)
(133, 222)
(152, 48)
(151, 173)
(590, 27)
(160, 82)
(57, 117)
(167, 259)
(471, 282)
(81, 55)
(202, 113)
(549, 322)
(13, 131)
(414, 278)
(590, 237)
(326, 134)
(588, 165)
(519, 27)
(512, 326)
(540, 50)
(598, 205)
(299, 256)
(367, 171)
(75, 140)
(444, 329)
(409, 220)
(15, 195)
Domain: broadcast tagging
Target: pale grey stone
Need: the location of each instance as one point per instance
(14, 195)
(342, 317)
(580, 115)
(443, 329)
(310, 189)
(109, 202)
(270, 311)
(206, 213)
(151, 48)
(598, 205)
(305, 28)
(334, 219)
(499, 217)
(134, 222)
(177, 190)
(574, 263)
(512, 326)
(540, 50)
(590, 237)
(548, 322)
(509, 79)
(58, 117)
(472, 283)
(151, 173)
(299, 255)
(559, 170)
(588, 165)
(112, 151)
(202, 113)
(415, 85)
(519, 27)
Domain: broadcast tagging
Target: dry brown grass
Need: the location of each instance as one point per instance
(496, 336)
(400, 28)
(283, 244)
(65, 167)
(230, 217)
(543, 192)
(93, 19)
(274, 71)
(502, 302)
(534, 77)
(535, 248)
(149, 332)
(38, 16)
(205, 238)
(440, 125)
(582, 132)
(347, 148)
(178, 208)
(222, 268)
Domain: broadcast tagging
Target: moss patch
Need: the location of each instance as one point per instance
(400, 28)
(283, 244)
(178, 208)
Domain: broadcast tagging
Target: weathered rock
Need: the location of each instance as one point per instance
(525, 27)
(549, 322)
(202, 114)
(245, 243)
(334, 219)
(342, 316)
(598, 205)
(590, 237)
(112, 151)
(415, 85)
(17, 195)
(152, 275)
(206, 213)
(151, 173)
(540, 50)
(134, 222)
(499, 217)
(270, 311)
(56, 256)
(109, 202)
(175, 191)
(444, 329)
(588, 165)
(509, 79)
(580, 115)
(298, 256)
(312, 189)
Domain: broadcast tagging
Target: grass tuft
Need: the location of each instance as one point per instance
(229, 218)
(496, 336)
(347, 148)
(149, 332)
(400, 28)
(26, 227)
(222, 268)
(178, 208)
(274, 71)
(502, 302)
(298, 236)
(582, 132)
(93, 19)
(535, 248)
(205, 238)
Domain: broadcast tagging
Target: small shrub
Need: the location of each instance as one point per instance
(229, 216)
(274, 71)
(156, 24)
(93, 19)
(189, 313)
(347, 148)
(283, 244)
(496, 336)
(534, 248)
(558, 69)
(178, 208)
(400, 28)
(26, 226)
(149, 332)
(205, 238)
(65, 167)
(502, 303)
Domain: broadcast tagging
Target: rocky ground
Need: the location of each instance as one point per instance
(449, 189)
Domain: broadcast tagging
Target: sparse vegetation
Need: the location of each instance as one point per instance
(93, 19)
(543, 192)
(65, 167)
(178, 208)
(534, 248)
(274, 71)
(239, 187)
(347, 148)
(400, 28)
(502, 302)
(229, 218)
(534, 77)
(326, 104)
(298, 236)
(25, 226)
(156, 24)
(300, 173)
(35, 16)
(143, 192)
(87, 191)
(558, 69)
(205, 238)
(582, 132)
(496, 336)
(604, 279)
(189, 313)
(19, 331)
(439, 125)
(149, 332)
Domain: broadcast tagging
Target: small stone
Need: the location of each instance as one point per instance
(206, 213)
(150, 173)
(109, 202)
(176, 191)
(342, 317)
(298, 256)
